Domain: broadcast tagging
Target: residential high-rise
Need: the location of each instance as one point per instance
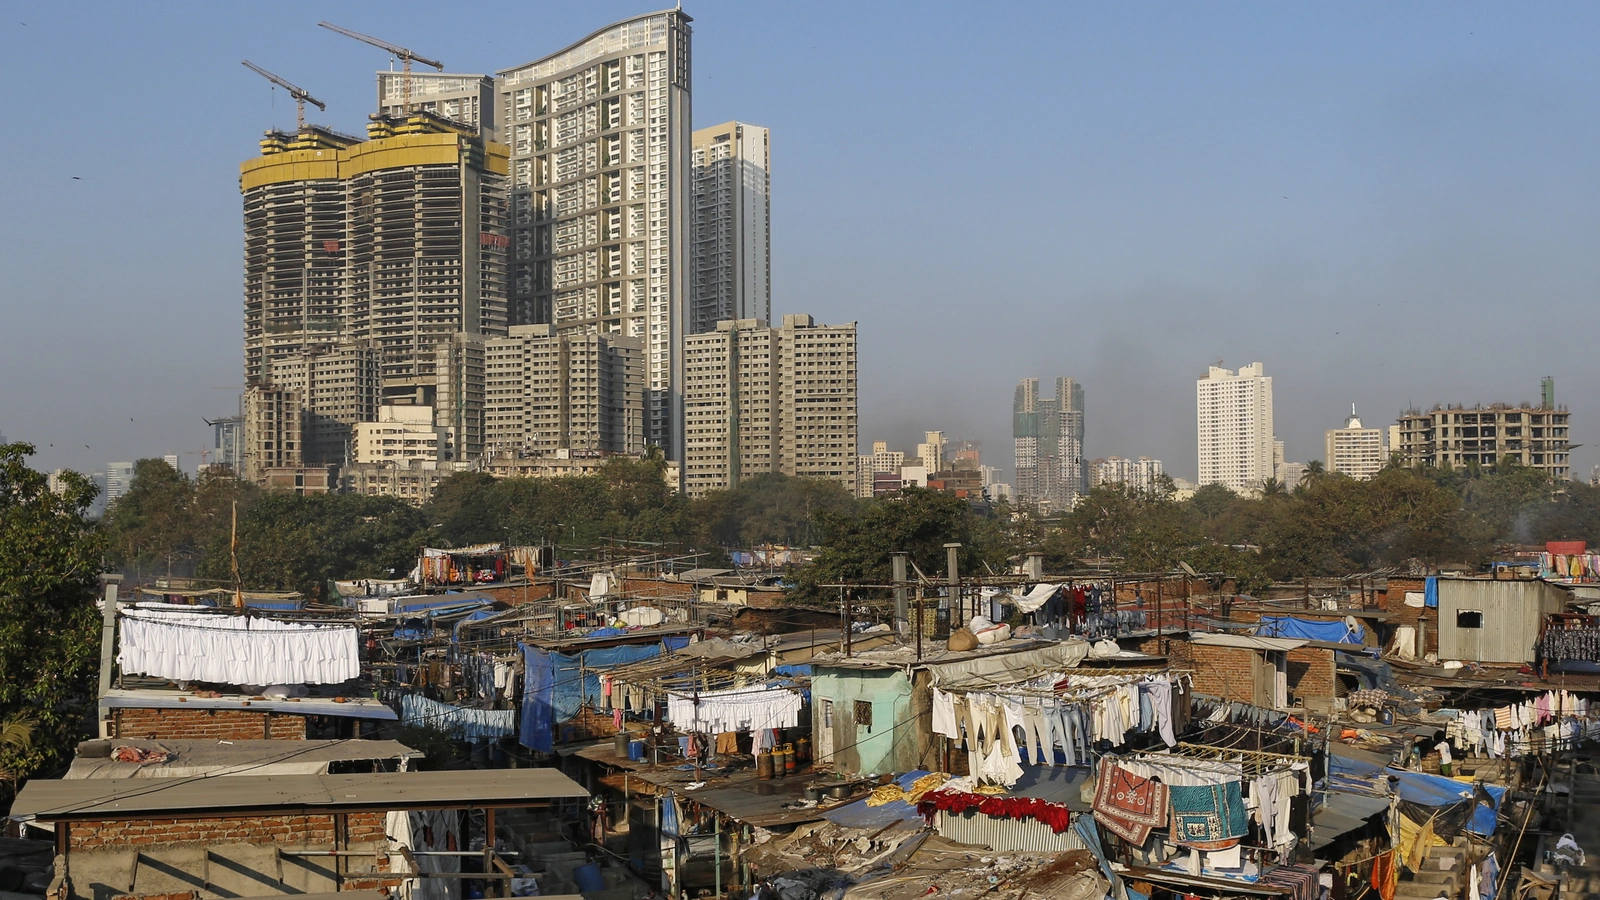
(339, 386)
(599, 149)
(1456, 436)
(119, 478)
(1047, 436)
(760, 399)
(882, 460)
(227, 440)
(1142, 474)
(273, 426)
(462, 370)
(1233, 412)
(931, 451)
(467, 99)
(401, 434)
(398, 240)
(1354, 450)
(548, 391)
(731, 224)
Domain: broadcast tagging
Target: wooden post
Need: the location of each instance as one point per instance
(495, 885)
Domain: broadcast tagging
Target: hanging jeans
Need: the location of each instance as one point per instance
(1036, 733)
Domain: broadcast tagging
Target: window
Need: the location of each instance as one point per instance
(1469, 618)
(864, 714)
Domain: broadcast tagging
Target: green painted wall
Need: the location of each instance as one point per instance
(889, 744)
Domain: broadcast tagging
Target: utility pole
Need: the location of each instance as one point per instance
(902, 612)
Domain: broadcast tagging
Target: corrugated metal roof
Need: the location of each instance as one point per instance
(130, 798)
(202, 758)
(148, 698)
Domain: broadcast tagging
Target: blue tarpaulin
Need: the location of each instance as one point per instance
(1430, 592)
(1436, 790)
(860, 815)
(435, 603)
(564, 683)
(1336, 632)
(793, 671)
(675, 642)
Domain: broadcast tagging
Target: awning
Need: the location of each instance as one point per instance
(1280, 645)
(1009, 668)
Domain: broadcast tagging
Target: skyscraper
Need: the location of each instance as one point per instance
(731, 224)
(760, 399)
(338, 387)
(1353, 450)
(599, 148)
(119, 478)
(1048, 442)
(398, 240)
(1233, 412)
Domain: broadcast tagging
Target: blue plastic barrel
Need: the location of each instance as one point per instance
(588, 878)
(636, 750)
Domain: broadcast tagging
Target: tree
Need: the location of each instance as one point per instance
(770, 508)
(50, 560)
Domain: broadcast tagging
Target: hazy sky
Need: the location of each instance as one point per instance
(1385, 205)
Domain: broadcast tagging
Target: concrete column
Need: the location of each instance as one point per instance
(902, 602)
(1034, 567)
(108, 642)
(952, 555)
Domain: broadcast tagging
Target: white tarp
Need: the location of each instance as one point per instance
(1035, 598)
(232, 649)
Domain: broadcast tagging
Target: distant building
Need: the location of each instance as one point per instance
(401, 434)
(882, 461)
(412, 480)
(1354, 450)
(339, 385)
(914, 475)
(172, 460)
(1142, 474)
(999, 490)
(549, 391)
(730, 225)
(931, 451)
(760, 399)
(1234, 417)
(1456, 436)
(119, 478)
(273, 426)
(461, 369)
(1048, 434)
(227, 442)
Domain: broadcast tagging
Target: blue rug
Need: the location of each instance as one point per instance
(1206, 813)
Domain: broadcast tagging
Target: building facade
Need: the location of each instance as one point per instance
(761, 399)
(1047, 435)
(464, 99)
(931, 451)
(273, 428)
(1456, 436)
(1353, 450)
(1142, 474)
(401, 434)
(398, 241)
(1233, 411)
(548, 391)
(599, 161)
(119, 478)
(731, 225)
(339, 385)
(881, 461)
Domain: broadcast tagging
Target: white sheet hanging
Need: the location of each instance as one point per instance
(735, 710)
(230, 649)
(1035, 598)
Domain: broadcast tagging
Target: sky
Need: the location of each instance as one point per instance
(1388, 205)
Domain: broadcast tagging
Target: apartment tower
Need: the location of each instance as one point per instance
(599, 162)
(760, 399)
(1537, 436)
(548, 391)
(731, 225)
(1233, 411)
(464, 99)
(1354, 450)
(1047, 435)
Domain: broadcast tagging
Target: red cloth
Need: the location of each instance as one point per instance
(1058, 817)
(1129, 805)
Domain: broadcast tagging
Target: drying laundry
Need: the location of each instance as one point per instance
(1128, 805)
(1207, 816)
(233, 649)
(468, 724)
(740, 709)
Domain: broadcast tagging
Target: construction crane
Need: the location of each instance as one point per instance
(301, 98)
(405, 56)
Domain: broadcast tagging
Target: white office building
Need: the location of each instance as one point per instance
(1354, 450)
(1234, 417)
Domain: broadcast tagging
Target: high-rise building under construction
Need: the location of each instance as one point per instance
(1047, 434)
(398, 242)
(599, 145)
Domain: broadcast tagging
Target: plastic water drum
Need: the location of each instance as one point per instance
(589, 878)
(636, 750)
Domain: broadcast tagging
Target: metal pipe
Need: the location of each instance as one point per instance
(717, 819)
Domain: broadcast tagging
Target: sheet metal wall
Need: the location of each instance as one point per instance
(1512, 613)
(1005, 835)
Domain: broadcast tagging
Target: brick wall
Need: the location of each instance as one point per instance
(1394, 600)
(362, 828)
(1225, 672)
(206, 724)
(1311, 677)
